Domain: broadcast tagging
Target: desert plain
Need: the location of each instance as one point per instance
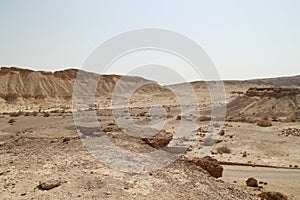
(44, 154)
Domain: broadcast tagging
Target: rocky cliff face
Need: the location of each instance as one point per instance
(276, 92)
(267, 102)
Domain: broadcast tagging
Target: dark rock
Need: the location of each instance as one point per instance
(49, 185)
(222, 132)
(66, 139)
(209, 164)
(159, 140)
(251, 182)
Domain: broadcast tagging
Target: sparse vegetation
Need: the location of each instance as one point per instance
(223, 149)
(27, 113)
(34, 113)
(264, 123)
(204, 118)
(209, 141)
(178, 117)
(11, 121)
(16, 114)
(46, 114)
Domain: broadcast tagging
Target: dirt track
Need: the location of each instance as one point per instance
(276, 178)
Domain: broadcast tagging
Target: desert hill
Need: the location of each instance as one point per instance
(21, 85)
(272, 103)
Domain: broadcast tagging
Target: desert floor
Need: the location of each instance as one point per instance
(39, 148)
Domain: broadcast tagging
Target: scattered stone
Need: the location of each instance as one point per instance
(222, 132)
(49, 184)
(66, 139)
(272, 196)
(295, 132)
(159, 140)
(251, 182)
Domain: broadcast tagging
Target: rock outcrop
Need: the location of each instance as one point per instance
(159, 140)
(211, 165)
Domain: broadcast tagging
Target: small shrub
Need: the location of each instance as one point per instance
(178, 117)
(46, 114)
(265, 118)
(204, 118)
(11, 121)
(264, 123)
(216, 125)
(291, 119)
(223, 149)
(27, 114)
(209, 141)
(142, 114)
(274, 118)
(34, 113)
(55, 111)
(16, 114)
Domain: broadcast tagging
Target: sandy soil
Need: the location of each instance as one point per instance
(32, 149)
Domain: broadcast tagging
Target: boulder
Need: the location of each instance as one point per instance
(159, 140)
(211, 165)
(48, 185)
(251, 182)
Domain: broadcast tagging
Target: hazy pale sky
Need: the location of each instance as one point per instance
(245, 39)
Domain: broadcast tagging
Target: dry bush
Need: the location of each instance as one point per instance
(209, 141)
(55, 111)
(204, 118)
(16, 114)
(34, 113)
(264, 123)
(11, 121)
(216, 125)
(46, 114)
(265, 118)
(27, 114)
(223, 149)
(178, 117)
(291, 119)
(142, 114)
(11, 97)
(274, 118)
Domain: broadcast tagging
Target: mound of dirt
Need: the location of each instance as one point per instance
(272, 196)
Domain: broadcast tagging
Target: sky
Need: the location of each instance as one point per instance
(244, 39)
